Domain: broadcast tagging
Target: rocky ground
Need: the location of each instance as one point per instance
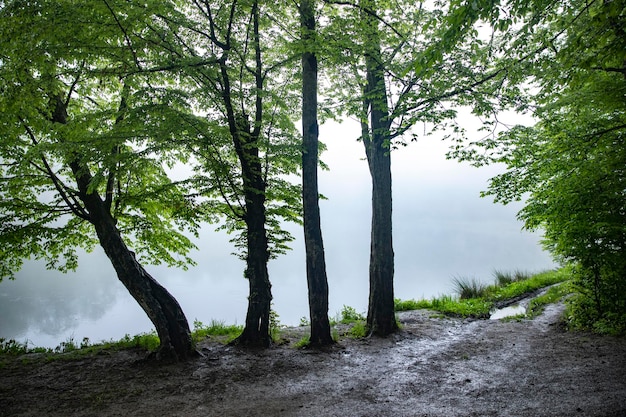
(433, 367)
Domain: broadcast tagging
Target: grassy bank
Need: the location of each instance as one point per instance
(475, 299)
(146, 341)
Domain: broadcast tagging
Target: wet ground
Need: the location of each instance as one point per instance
(433, 367)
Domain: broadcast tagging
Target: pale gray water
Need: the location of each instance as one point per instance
(442, 229)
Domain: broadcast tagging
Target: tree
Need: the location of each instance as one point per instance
(571, 163)
(409, 63)
(84, 148)
(315, 260)
(376, 136)
(242, 83)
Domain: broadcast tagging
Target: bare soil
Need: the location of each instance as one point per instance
(433, 367)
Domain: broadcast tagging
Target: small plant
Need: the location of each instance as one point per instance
(358, 330)
(350, 315)
(274, 325)
(12, 347)
(468, 288)
(304, 322)
(302, 343)
(85, 343)
(68, 346)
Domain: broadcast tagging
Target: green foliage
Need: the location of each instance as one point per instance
(275, 325)
(350, 315)
(248, 143)
(570, 164)
(450, 305)
(13, 347)
(431, 65)
(73, 105)
(358, 329)
(302, 343)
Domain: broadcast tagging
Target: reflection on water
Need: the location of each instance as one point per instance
(48, 303)
(442, 229)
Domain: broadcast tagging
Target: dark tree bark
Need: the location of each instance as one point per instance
(256, 332)
(257, 328)
(161, 307)
(381, 318)
(315, 262)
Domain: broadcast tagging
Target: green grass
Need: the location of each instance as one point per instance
(358, 330)
(407, 305)
(506, 287)
(146, 341)
(527, 286)
(552, 295)
(449, 305)
(215, 328)
(303, 342)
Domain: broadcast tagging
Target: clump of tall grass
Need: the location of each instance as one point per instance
(468, 288)
(505, 278)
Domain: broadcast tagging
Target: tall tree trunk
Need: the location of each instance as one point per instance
(161, 307)
(381, 318)
(246, 141)
(257, 328)
(315, 262)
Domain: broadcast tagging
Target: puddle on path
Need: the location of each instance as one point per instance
(512, 310)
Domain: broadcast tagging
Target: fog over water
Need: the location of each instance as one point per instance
(442, 230)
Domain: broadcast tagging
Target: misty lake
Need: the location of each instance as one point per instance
(442, 230)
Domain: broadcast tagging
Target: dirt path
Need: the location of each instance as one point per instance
(434, 367)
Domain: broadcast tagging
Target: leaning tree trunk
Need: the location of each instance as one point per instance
(381, 318)
(161, 307)
(315, 262)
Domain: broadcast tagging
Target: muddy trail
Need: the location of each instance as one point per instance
(433, 367)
